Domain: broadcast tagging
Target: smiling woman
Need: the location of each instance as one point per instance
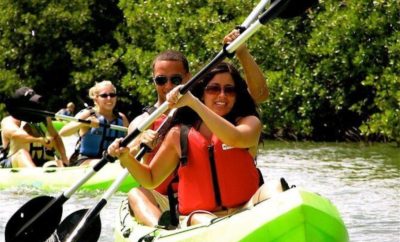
(95, 138)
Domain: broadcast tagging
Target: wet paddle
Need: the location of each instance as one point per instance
(85, 224)
(40, 216)
(26, 114)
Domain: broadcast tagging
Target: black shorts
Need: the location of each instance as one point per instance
(81, 159)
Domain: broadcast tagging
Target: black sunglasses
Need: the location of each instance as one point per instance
(161, 80)
(215, 89)
(105, 95)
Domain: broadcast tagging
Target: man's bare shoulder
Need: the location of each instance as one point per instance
(9, 120)
(9, 126)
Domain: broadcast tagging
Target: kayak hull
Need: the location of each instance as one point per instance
(295, 215)
(57, 179)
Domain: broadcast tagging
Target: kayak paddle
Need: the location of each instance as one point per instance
(40, 216)
(26, 114)
(84, 224)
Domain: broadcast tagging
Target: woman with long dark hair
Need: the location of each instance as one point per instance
(217, 176)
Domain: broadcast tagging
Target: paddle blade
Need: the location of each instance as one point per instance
(91, 234)
(39, 218)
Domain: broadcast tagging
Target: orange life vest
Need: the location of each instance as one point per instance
(215, 175)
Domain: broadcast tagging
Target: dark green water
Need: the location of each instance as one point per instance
(361, 180)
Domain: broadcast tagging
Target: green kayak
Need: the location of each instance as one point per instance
(57, 179)
(58, 124)
(296, 215)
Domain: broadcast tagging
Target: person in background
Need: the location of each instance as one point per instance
(30, 144)
(68, 110)
(95, 138)
(222, 121)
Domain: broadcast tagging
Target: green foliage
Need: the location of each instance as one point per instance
(52, 44)
(386, 121)
(333, 72)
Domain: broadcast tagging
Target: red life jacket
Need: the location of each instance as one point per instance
(215, 175)
(163, 187)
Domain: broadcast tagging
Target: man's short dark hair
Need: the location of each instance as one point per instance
(172, 55)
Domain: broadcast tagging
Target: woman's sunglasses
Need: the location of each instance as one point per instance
(105, 95)
(161, 80)
(215, 89)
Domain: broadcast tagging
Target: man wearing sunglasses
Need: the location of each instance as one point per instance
(171, 68)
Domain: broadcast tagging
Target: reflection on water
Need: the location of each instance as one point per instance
(361, 180)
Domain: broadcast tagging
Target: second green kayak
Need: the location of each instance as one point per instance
(57, 179)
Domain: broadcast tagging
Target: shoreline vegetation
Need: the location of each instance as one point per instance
(333, 73)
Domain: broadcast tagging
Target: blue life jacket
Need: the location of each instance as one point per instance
(96, 140)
